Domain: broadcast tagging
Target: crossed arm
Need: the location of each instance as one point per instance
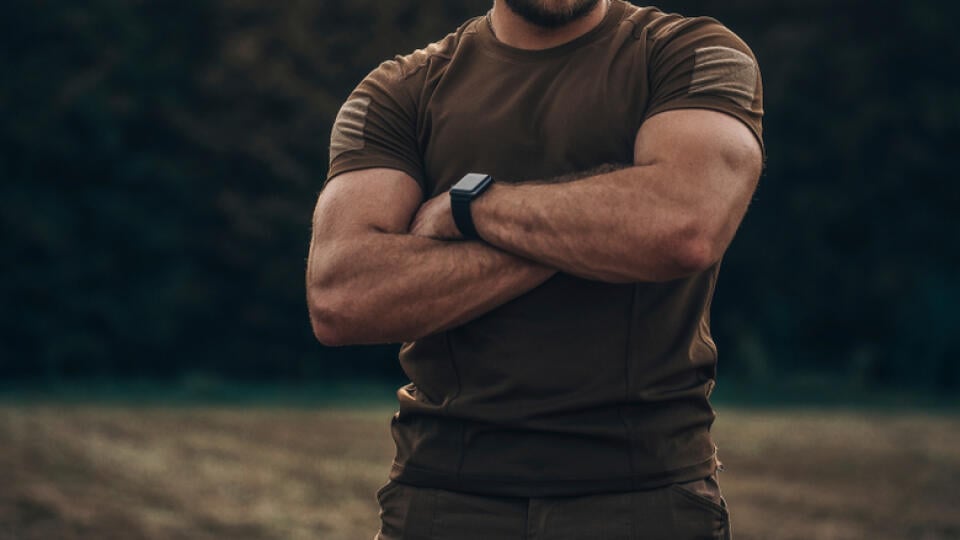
(370, 281)
(384, 268)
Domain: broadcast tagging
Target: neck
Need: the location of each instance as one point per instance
(511, 29)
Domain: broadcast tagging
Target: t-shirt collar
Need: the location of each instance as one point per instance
(490, 41)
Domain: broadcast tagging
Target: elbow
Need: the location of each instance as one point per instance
(686, 251)
(691, 251)
(696, 255)
(328, 317)
(338, 320)
(327, 334)
(695, 252)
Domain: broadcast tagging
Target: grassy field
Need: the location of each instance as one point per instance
(123, 472)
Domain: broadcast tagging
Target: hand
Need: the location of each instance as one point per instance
(435, 220)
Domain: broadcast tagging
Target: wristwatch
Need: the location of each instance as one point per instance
(462, 194)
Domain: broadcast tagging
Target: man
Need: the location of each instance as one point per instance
(556, 320)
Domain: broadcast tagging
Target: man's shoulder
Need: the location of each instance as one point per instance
(431, 57)
(655, 25)
(658, 27)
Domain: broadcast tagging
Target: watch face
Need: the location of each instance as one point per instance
(471, 182)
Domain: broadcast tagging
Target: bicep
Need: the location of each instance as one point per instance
(368, 200)
(712, 156)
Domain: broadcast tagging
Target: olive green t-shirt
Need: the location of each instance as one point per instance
(577, 386)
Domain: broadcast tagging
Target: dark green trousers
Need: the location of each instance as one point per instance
(688, 511)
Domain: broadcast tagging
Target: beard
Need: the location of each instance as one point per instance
(550, 16)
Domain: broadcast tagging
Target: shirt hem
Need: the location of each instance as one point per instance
(710, 106)
(505, 486)
(411, 171)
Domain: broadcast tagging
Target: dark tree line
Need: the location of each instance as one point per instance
(160, 162)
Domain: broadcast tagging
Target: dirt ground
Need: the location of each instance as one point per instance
(271, 473)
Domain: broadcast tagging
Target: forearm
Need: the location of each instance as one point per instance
(600, 227)
(381, 288)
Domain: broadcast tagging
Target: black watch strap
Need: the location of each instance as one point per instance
(463, 217)
(462, 194)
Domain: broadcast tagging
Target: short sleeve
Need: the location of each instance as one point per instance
(377, 127)
(698, 63)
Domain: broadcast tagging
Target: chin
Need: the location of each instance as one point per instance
(551, 13)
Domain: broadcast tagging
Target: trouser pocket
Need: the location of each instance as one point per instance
(406, 512)
(700, 511)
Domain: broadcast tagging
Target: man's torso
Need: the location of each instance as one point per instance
(578, 386)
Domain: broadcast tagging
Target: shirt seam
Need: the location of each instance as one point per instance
(466, 29)
(627, 378)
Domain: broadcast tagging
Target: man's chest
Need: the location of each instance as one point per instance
(528, 122)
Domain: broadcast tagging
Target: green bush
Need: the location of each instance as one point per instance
(161, 160)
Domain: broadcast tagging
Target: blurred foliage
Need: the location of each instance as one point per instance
(160, 162)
